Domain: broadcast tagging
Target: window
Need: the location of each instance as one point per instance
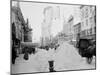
(82, 24)
(90, 9)
(86, 22)
(90, 21)
(93, 11)
(90, 31)
(82, 14)
(86, 12)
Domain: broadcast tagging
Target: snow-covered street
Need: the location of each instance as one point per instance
(65, 57)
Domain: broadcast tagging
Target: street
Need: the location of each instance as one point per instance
(65, 57)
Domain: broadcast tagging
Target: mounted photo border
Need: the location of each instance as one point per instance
(46, 3)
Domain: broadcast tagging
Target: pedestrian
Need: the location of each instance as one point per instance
(26, 56)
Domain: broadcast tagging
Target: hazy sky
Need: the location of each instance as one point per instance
(34, 12)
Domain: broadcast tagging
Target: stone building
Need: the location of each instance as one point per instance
(88, 21)
(46, 25)
(68, 27)
(77, 30)
(18, 26)
(28, 33)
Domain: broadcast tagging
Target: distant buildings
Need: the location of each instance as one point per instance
(68, 27)
(51, 20)
(56, 21)
(84, 27)
(70, 23)
(46, 25)
(88, 21)
(77, 30)
(28, 33)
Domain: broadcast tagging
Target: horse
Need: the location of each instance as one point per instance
(86, 49)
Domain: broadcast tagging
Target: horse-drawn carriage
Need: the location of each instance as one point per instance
(87, 48)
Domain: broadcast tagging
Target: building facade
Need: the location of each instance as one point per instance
(46, 25)
(19, 27)
(68, 27)
(52, 24)
(88, 21)
(28, 32)
(77, 30)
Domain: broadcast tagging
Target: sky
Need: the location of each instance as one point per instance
(34, 12)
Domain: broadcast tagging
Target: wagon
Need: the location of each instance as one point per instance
(87, 48)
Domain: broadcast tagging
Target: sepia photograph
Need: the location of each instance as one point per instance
(52, 37)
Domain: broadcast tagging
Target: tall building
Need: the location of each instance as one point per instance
(57, 21)
(19, 26)
(18, 22)
(68, 27)
(51, 21)
(46, 25)
(28, 33)
(56, 13)
(88, 23)
(77, 30)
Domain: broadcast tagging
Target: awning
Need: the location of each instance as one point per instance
(29, 44)
(89, 37)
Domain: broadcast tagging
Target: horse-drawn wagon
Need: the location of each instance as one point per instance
(87, 48)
